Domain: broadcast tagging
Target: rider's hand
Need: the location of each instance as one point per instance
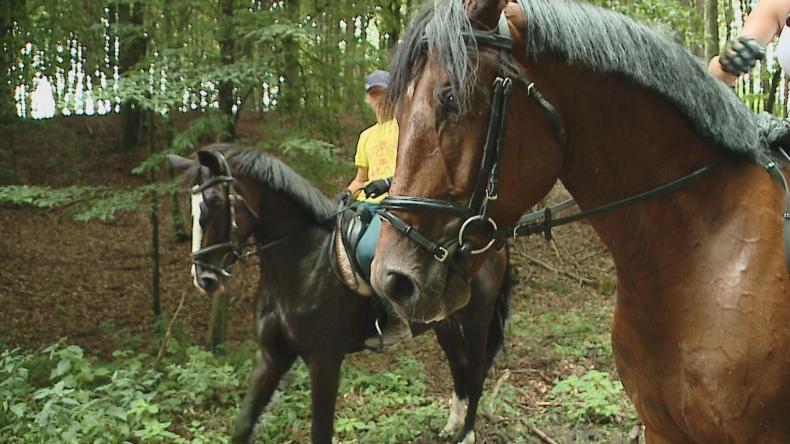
(377, 187)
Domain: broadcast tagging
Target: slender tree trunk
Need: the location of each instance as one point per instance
(133, 45)
(156, 305)
(218, 323)
(770, 101)
(226, 48)
(9, 13)
(289, 96)
(711, 28)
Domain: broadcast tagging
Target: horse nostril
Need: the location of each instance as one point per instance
(209, 282)
(399, 288)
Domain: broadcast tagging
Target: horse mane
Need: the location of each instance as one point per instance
(273, 173)
(607, 42)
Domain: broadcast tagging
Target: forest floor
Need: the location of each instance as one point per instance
(90, 283)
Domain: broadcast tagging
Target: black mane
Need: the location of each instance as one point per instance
(607, 42)
(272, 172)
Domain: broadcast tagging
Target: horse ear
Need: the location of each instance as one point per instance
(485, 12)
(210, 161)
(179, 163)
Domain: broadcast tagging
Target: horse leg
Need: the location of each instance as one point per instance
(324, 381)
(476, 370)
(451, 341)
(272, 365)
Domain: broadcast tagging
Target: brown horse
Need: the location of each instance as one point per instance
(612, 108)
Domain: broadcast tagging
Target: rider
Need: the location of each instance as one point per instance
(767, 20)
(375, 161)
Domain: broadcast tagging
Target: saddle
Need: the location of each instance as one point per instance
(350, 225)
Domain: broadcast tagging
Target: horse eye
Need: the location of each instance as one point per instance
(449, 101)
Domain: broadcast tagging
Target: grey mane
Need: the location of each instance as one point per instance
(603, 41)
(609, 42)
(273, 173)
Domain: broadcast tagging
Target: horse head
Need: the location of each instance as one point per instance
(460, 142)
(221, 218)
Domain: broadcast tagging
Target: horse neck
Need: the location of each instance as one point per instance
(625, 140)
(280, 219)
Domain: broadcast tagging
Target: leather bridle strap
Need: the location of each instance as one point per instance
(542, 221)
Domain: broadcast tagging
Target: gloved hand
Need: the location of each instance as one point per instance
(377, 187)
(342, 197)
(741, 55)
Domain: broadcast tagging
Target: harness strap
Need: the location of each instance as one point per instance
(776, 173)
(439, 252)
(542, 221)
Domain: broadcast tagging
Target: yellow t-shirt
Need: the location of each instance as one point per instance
(376, 150)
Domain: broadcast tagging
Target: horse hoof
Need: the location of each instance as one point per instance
(468, 439)
(456, 419)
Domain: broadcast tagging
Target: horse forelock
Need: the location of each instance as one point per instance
(439, 27)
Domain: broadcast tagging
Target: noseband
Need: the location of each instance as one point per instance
(486, 190)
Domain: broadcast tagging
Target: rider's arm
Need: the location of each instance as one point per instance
(359, 180)
(767, 20)
(763, 24)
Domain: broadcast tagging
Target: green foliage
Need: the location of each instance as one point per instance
(85, 401)
(593, 397)
(212, 126)
(87, 203)
(317, 160)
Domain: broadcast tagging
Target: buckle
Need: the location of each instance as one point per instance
(443, 254)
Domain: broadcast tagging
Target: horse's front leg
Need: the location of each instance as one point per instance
(324, 381)
(272, 365)
(451, 340)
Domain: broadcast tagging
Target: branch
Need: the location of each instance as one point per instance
(169, 330)
(582, 279)
(541, 434)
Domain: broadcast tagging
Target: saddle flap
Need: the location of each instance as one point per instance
(350, 225)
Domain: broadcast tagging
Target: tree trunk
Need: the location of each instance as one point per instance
(711, 28)
(226, 50)
(289, 100)
(133, 45)
(10, 12)
(156, 305)
(770, 101)
(218, 324)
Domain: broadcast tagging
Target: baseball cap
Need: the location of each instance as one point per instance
(377, 78)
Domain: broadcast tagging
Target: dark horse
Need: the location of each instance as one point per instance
(612, 108)
(302, 309)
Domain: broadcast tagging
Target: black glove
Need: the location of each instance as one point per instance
(377, 187)
(741, 55)
(342, 197)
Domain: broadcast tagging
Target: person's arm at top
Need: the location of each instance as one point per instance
(763, 24)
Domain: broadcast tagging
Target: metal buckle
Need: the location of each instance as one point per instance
(466, 225)
(443, 254)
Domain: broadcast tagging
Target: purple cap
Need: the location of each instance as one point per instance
(377, 78)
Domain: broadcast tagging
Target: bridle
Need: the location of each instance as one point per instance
(486, 189)
(476, 211)
(232, 249)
